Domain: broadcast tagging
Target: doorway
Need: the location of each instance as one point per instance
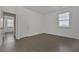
(9, 24)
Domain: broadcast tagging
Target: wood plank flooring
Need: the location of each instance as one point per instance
(41, 43)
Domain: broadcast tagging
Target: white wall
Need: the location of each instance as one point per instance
(30, 23)
(0, 30)
(27, 22)
(52, 26)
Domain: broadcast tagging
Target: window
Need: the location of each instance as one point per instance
(64, 19)
(1, 23)
(10, 23)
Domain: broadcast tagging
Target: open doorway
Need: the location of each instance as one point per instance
(9, 24)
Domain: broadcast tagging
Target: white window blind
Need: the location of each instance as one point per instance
(10, 23)
(63, 19)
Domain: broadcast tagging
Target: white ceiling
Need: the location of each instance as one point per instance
(44, 9)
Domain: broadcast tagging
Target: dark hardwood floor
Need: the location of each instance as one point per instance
(42, 43)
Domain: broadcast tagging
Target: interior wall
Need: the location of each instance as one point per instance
(52, 27)
(30, 23)
(27, 22)
(0, 30)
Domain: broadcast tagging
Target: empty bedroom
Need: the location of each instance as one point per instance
(39, 28)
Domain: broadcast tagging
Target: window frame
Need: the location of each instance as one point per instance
(10, 26)
(64, 20)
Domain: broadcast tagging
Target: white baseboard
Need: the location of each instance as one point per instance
(48, 33)
(28, 35)
(64, 36)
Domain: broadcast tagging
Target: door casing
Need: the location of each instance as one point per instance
(10, 14)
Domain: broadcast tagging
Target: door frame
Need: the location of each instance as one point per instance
(10, 14)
